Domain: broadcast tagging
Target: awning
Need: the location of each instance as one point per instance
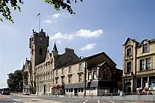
(57, 86)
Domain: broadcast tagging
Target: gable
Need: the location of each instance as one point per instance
(100, 58)
(48, 56)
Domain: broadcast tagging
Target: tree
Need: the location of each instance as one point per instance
(6, 13)
(15, 81)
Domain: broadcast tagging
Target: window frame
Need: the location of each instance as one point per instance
(70, 69)
(145, 48)
(148, 63)
(142, 64)
(80, 78)
(129, 52)
(80, 66)
(129, 68)
(69, 79)
(62, 71)
(56, 72)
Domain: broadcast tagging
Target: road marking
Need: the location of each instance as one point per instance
(85, 101)
(17, 100)
(126, 101)
(112, 101)
(73, 101)
(98, 101)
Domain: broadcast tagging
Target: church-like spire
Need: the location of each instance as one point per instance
(55, 47)
(55, 51)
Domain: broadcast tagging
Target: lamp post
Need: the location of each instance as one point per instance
(85, 79)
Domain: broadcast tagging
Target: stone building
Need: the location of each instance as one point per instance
(38, 71)
(91, 75)
(48, 73)
(138, 65)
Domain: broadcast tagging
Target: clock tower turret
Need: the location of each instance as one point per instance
(38, 43)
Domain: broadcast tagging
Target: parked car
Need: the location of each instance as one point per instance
(5, 91)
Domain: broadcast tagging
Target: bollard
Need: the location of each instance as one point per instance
(123, 96)
(92, 95)
(139, 97)
(111, 97)
(101, 96)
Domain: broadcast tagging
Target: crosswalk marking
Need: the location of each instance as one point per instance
(85, 101)
(112, 101)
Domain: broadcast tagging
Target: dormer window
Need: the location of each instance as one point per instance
(145, 48)
(129, 53)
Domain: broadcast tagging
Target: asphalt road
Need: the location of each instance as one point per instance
(19, 98)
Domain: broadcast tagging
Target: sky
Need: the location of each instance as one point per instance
(98, 26)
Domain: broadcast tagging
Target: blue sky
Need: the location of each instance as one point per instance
(97, 26)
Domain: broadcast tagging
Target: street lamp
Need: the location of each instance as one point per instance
(85, 79)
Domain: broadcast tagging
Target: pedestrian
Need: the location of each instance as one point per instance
(105, 92)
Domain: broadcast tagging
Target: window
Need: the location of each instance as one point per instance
(89, 75)
(70, 69)
(56, 72)
(145, 48)
(128, 67)
(62, 72)
(80, 77)
(145, 64)
(95, 74)
(142, 64)
(56, 80)
(81, 89)
(129, 52)
(148, 63)
(80, 67)
(62, 80)
(69, 79)
(40, 51)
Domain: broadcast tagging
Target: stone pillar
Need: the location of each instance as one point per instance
(131, 85)
(123, 85)
(148, 82)
(98, 72)
(141, 82)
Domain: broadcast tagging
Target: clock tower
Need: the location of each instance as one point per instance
(38, 44)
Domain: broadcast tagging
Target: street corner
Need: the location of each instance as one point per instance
(3, 96)
(140, 102)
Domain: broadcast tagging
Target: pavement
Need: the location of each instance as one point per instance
(126, 98)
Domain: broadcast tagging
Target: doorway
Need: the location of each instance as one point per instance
(75, 92)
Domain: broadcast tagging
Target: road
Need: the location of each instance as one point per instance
(19, 98)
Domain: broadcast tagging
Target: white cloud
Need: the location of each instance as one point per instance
(50, 18)
(56, 15)
(88, 47)
(81, 33)
(48, 21)
(59, 36)
(88, 33)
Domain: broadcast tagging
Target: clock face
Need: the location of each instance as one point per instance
(41, 38)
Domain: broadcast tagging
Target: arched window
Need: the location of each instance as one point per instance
(40, 51)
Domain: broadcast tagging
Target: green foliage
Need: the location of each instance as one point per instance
(15, 81)
(5, 10)
(64, 4)
(6, 13)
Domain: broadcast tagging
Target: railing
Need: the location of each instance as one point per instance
(114, 96)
